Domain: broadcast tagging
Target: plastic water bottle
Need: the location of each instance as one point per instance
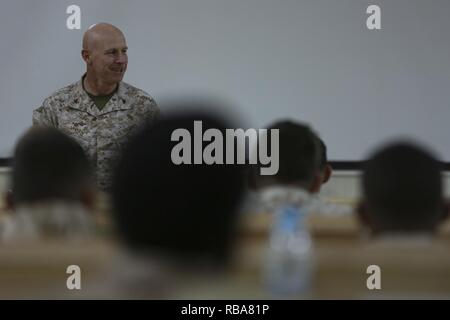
(289, 265)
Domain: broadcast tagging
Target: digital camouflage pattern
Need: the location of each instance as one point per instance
(101, 133)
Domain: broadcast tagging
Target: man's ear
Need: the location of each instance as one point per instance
(327, 172)
(9, 199)
(86, 55)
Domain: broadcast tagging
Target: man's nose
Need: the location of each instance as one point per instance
(121, 59)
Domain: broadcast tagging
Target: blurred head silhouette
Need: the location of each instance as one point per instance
(185, 210)
(299, 158)
(402, 190)
(49, 165)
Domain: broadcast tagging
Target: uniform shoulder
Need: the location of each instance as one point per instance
(61, 94)
(132, 91)
(143, 104)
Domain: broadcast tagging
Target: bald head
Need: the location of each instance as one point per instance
(98, 32)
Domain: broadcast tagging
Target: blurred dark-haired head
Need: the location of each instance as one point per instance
(185, 210)
(299, 158)
(402, 190)
(49, 165)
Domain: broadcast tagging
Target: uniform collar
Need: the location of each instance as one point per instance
(82, 101)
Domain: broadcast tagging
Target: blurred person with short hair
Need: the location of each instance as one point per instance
(177, 221)
(304, 169)
(53, 189)
(402, 192)
(401, 208)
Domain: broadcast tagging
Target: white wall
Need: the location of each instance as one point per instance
(311, 60)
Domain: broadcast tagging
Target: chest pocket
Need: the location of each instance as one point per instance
(117, 127)
(81, 127)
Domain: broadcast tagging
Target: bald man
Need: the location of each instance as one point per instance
(100, 111)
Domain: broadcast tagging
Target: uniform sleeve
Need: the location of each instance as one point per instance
(43, 116)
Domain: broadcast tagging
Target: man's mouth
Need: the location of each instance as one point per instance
(120, 70)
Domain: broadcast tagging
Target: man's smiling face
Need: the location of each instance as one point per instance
(109, 58)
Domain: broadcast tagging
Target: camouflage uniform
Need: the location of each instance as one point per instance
(101, 133)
